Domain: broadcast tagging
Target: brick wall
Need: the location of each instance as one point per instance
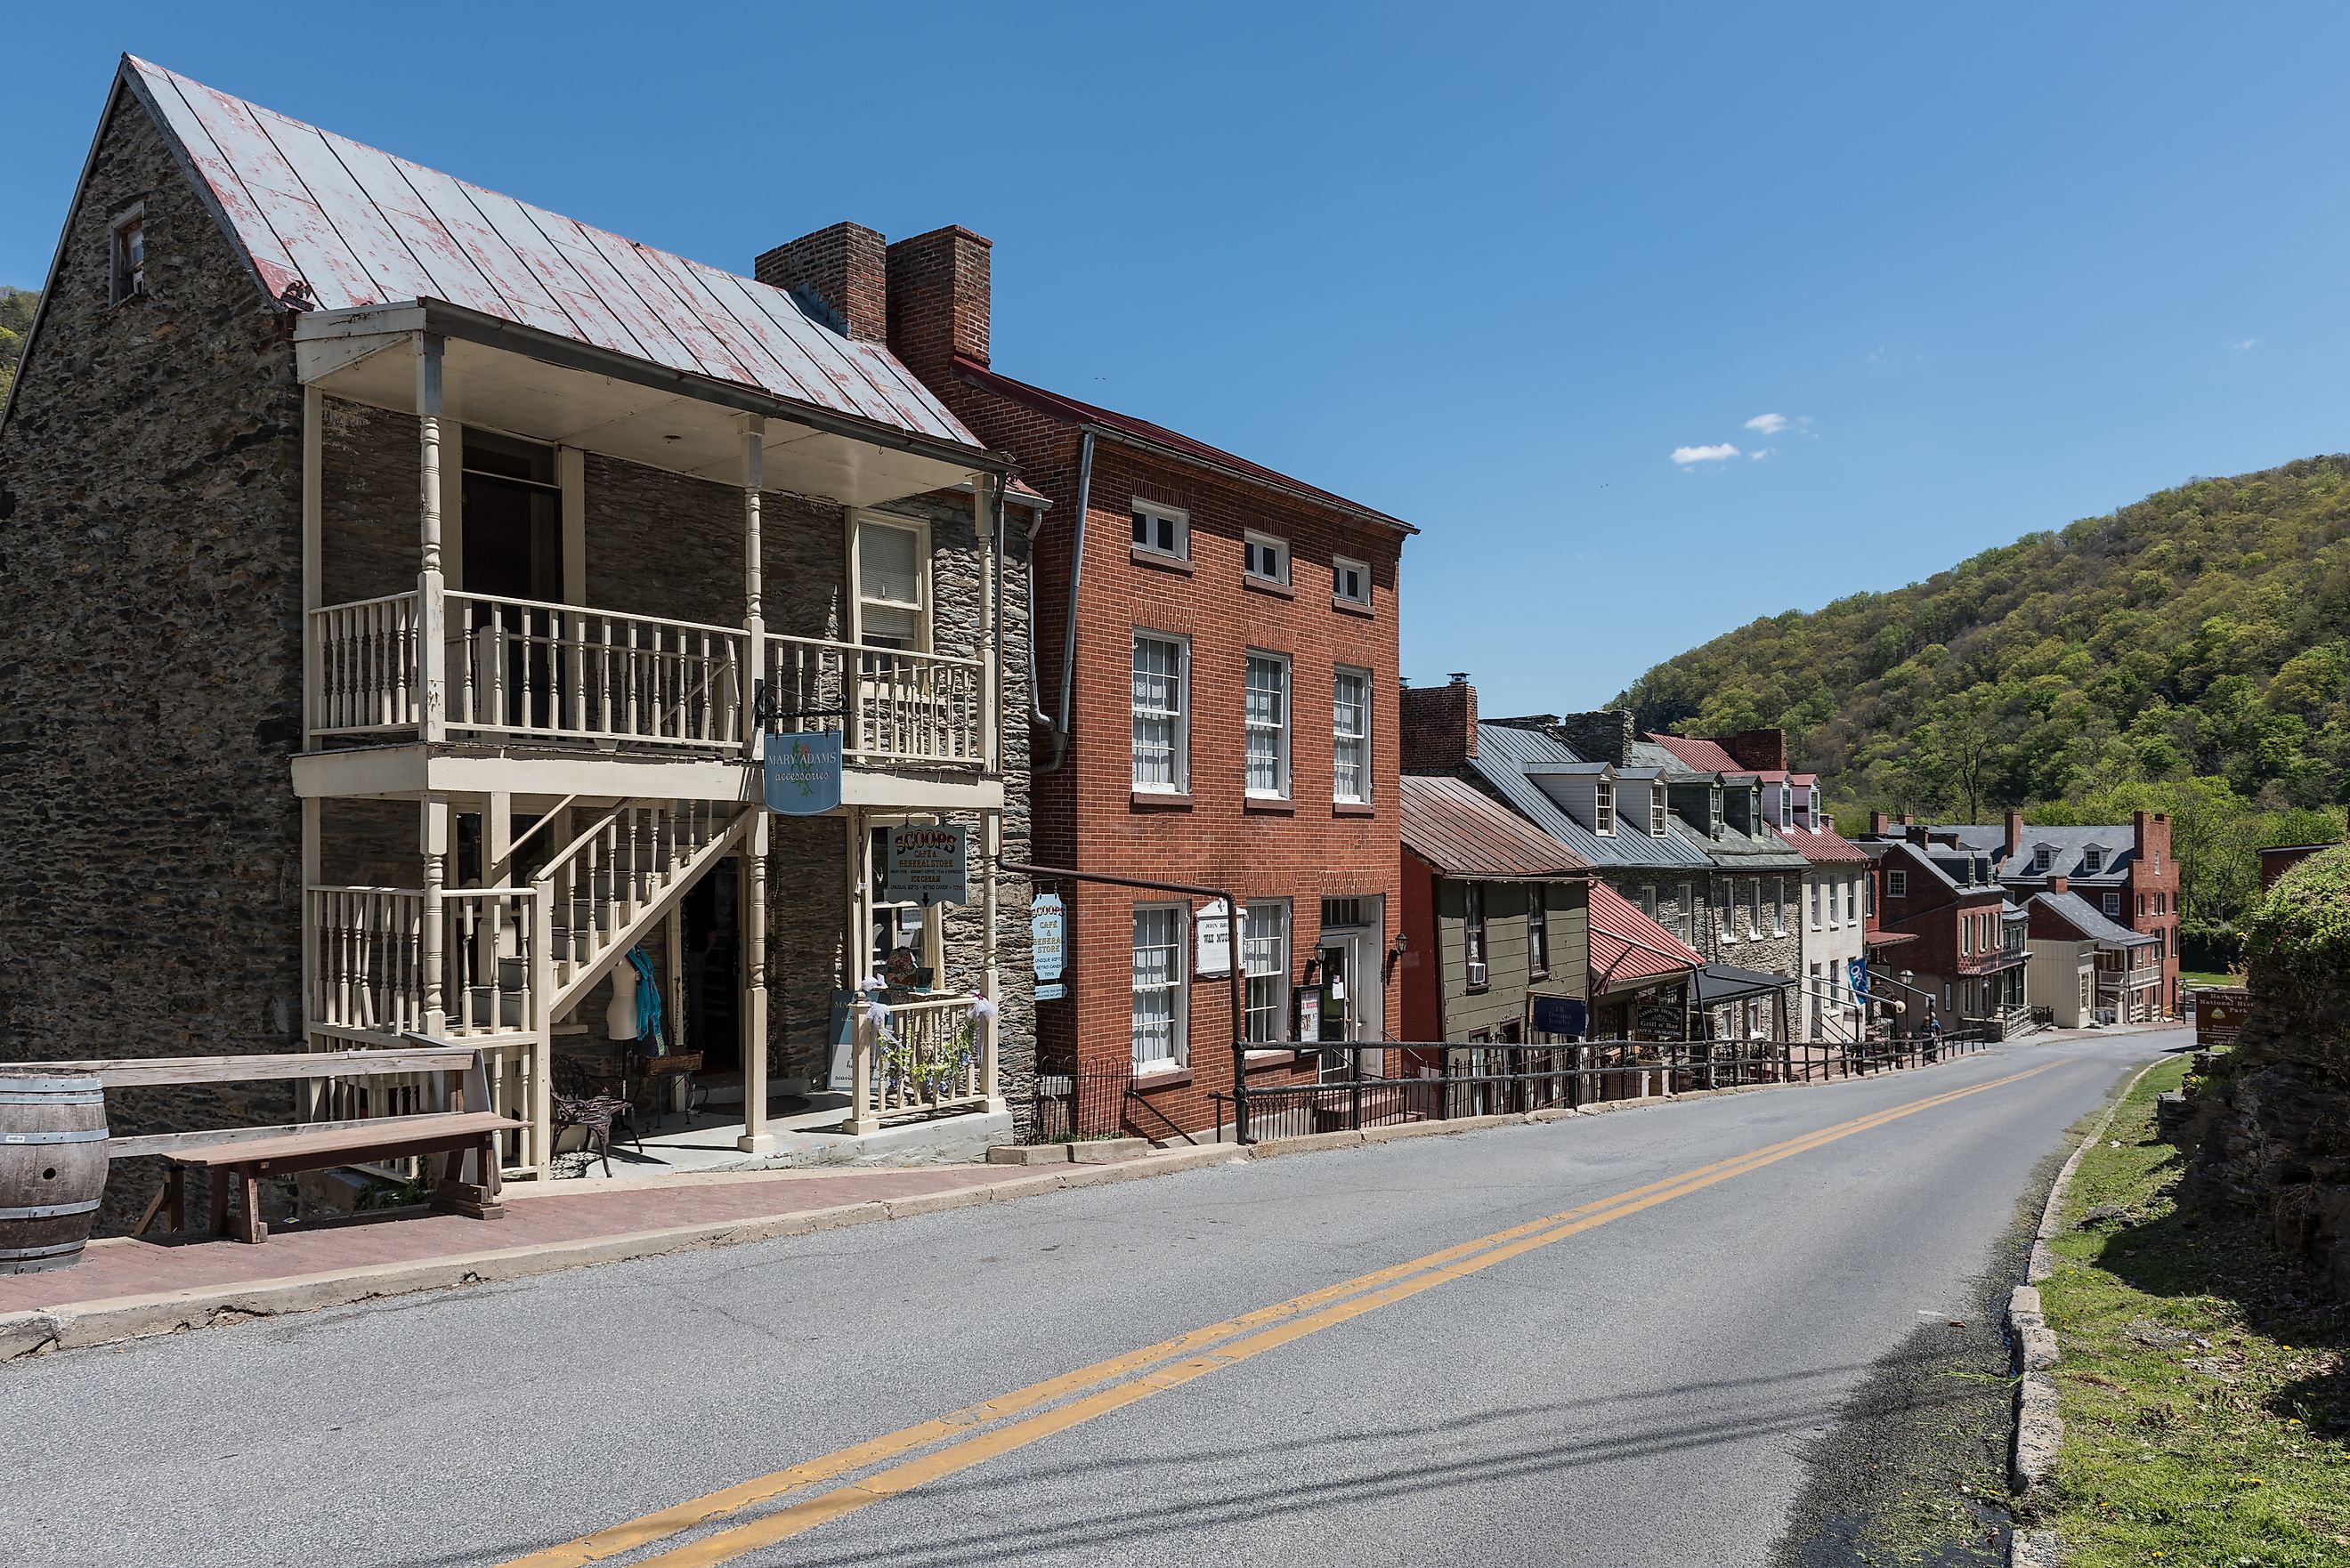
(1440, 727)
(150, 598)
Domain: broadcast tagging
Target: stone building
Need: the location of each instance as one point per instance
(412, 581)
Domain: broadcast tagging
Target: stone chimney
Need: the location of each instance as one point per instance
(2014, 832)
(2060, 884)
(845, 267)
(1879, 823)
(1440, 726)
(1764, 750)
(1601, 737)
(938, 301)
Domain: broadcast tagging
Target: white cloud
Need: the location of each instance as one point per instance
(1769, 424)
(1760, 452)
(2244, 345)
(1685, 455)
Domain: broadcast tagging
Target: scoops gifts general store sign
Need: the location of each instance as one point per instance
(928, 865)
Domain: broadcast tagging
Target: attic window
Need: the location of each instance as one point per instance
(1657, 811)
(2093, 859)
(2041, 857)
(1815, 811)
(127, 257)
(1897, 883)
(1602, 808)
(1713, 811)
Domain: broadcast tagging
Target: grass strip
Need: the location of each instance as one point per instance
(2204, 1385)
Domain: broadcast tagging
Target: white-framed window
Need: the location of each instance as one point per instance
(1713, 811)
(1897, 883)
(902, 925)
(1164, 530)
(1268, 725)
(1649, 899)
(1685, 922)
(893, 581)
(1264, 557)
(1786, 805)
(127, 255)
(1161, 712)
(1778, 906)
(2041, 857)
(1967, 936)
(1815, 812)
(1351, 581)
(1159, 1043)
(1350, 734)
(1472, 932)
(2113, 906)
(2157, 862)
(1812, 912)
(1537, 930)
(1756, 916)
(1656, 811)
(1727, 909)
(1265, 965)
(2093, 859)
(1603, 807)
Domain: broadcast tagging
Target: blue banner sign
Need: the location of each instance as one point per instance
(1859, 967)
(803, 772)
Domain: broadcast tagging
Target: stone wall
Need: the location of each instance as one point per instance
(151, 597)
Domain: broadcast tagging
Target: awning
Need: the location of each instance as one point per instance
(1721, 982)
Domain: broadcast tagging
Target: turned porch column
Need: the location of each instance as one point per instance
(432, 640)
(433, 832)
(754, 618)
(752, 939)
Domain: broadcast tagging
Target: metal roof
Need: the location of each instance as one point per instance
(1617, 924)
(1172, 443)
(1826, 845)
(1705, 757)
(361, 228)
(2082, 917)
(2118, 840)
(1463, 832)
(1505, 755)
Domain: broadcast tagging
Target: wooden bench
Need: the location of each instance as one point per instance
(459, 1125)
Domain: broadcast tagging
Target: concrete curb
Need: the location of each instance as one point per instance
(2039, 1430)
(122, 1318)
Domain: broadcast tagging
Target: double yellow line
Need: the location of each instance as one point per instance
(972, 1436)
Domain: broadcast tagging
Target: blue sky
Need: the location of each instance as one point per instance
(1490, 270)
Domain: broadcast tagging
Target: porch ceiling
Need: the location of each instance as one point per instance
(633, 411)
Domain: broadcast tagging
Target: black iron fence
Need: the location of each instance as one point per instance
(1386, 1083)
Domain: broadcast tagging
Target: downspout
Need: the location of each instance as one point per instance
(1076, 576)
(1037, 714)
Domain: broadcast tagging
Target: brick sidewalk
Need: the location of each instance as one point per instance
(119, 1267)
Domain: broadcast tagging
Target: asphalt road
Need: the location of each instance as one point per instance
(1637, 1381)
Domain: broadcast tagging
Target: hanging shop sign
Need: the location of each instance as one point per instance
(1561, 1016)
(802, 772)
(928, 865)
(1859, 969)
(1212, 927)
(1048, 945)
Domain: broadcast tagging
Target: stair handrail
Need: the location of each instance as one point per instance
(545, 819)
(545, 874)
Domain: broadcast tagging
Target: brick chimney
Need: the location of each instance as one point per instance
(2060, 884)
(1879, 823)
(1440, 726)
(845, 267)
(938, 301)
(2014, 832)
(1601, 737)
(1916, 833)
(1764, 750)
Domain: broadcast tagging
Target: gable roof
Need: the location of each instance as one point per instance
(1159, 438)
(1459, 830)
(1625, 943)
(1507, 758)
(361, 228)
(2067, 846)
(1706, 756)
(2082, 917)
(1825, 846)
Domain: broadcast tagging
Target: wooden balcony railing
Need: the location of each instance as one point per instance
(915, 1058)
(522, 668)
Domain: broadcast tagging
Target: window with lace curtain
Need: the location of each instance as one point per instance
(892, 586)
(1350, 736)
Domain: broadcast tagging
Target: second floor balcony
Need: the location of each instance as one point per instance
(509, 669)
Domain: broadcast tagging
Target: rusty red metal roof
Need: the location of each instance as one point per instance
(1463, 832)
(1624, 943)
(358, 227)
(1826, 845)
(1173, 442)
(1707, 756)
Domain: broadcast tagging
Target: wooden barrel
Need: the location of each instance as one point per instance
(52, 1169)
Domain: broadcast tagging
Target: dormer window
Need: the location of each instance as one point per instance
(1713, 811)
(1657, 811)
(127, 255)
(2093, 859)
(2041, 856)
(1602, 808)
(1815, 811)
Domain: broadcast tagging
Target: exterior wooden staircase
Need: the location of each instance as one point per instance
(601, 893)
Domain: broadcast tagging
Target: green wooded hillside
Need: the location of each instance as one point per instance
(2188, 652)
(15, 317)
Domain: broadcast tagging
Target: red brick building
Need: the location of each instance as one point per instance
(1966, 962)
(1220, 711)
